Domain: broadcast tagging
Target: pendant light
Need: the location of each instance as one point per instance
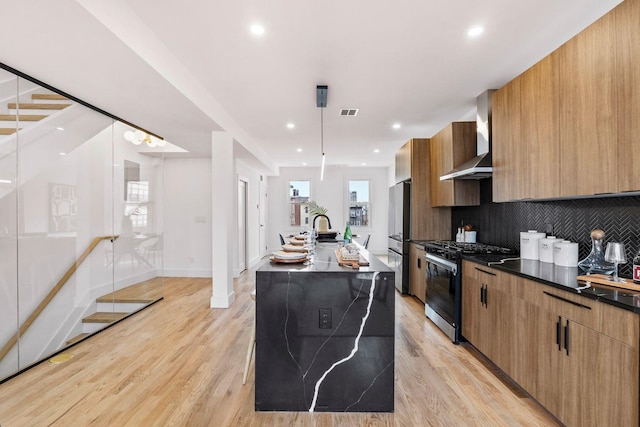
(321, 102)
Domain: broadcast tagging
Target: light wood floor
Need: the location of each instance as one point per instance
(180, 363)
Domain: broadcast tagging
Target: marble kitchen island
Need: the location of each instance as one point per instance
(325, 336)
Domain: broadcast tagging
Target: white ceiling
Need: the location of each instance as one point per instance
(185, 69)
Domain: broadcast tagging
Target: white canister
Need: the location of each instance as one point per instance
(565, 254)
(529, 244)
(470, 236)
(545, 248)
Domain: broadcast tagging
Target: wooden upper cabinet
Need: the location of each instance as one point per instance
(506, 133)
(450, 147)
(627, 78)
(525, 136)
(539, 151)
(588, 135)
(427, 223)
(568, 126)
(413, 162)
(403, 162)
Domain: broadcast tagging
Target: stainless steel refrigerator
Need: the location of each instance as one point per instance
(400, 233)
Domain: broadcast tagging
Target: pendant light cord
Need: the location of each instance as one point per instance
(322, 130)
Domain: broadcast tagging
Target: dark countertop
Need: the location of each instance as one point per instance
(324, 260)
(421, 242)
(559, 277)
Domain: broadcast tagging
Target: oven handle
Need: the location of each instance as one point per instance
(446, 264)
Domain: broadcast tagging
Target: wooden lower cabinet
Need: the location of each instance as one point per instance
(489, 314)
(417, 272)
(576, 356)
(581, 375)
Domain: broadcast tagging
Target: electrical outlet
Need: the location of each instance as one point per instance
(325, 318)
(548, 228)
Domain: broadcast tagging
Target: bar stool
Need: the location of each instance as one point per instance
(252, 345)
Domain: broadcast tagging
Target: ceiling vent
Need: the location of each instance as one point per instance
(349, 112)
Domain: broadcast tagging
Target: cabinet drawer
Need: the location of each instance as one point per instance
(570, 306)
(621, 325)
(503, 282)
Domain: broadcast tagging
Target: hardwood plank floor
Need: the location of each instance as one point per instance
(180, 363)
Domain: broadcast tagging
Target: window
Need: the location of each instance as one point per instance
(359, 203)
(136, 205)
(298, 196)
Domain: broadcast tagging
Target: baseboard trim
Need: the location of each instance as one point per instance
(222, 302)
(202, 273)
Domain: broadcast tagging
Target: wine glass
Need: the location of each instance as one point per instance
(616, 254)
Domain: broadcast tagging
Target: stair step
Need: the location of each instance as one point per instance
(144, 292)
(22, 117)
(7, 131)
(104, 317)
(49, 96)
(77, 338)
(37, 106)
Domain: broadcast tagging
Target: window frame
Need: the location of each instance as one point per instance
(290, 203)
(368, 203)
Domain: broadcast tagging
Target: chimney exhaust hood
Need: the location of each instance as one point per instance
(480, 166)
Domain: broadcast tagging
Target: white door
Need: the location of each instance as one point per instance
(242, 225)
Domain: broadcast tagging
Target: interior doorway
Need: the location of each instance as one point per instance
(242, 225)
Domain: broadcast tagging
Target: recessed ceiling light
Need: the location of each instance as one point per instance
(290, 125)
(299, 150)
(5, 181)
(376, 151)
(60, 128)
(257, 29)
(397, 126)
(63, 154)
(475, 31)
(364, 164)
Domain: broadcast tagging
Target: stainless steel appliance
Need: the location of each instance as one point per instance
(443, 304)
(399, 233)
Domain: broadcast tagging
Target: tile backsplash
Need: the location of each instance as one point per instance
(501, 223)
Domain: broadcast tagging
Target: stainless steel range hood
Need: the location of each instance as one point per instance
(480, 166)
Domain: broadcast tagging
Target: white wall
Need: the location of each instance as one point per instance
(187, 217)
(331, 193)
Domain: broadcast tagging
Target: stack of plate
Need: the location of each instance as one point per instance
(298, 240)
(294, 248)
(288, 257)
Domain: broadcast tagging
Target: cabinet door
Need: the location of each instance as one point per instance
(450, 147)
(474, 314)
(507, 158)
(618, 382)
(539, 366)
(538, 151)
(403, 162)
(439, 158)
(627, 86)
(501, 342)
(427, 223)
(580, 375)
(417, 272)
(588, 125)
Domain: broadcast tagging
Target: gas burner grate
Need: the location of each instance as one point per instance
(469, 248)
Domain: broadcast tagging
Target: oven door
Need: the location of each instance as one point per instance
(442, 304)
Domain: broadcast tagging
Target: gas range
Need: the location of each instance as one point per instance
(452, 250)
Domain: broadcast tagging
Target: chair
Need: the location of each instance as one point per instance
(281, 239)
(252, 343)
(366, 241)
